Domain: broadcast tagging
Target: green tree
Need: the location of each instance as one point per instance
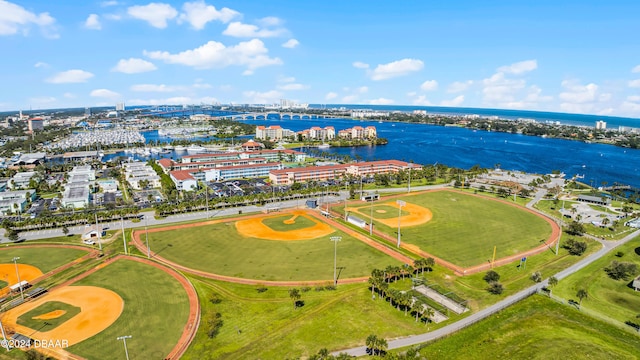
(495, 288)
(294, 294)
(582, 294)
(553, 281)
(214, 323)
(536, 277)
(65, 230)
(491, 276)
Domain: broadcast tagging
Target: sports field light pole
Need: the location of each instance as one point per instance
(146, 234)
(15, 262)
(400, 205)
(371, 218)
(124, 236)
(99, 232)
(124, 340)
(335, 240)
(5, 343)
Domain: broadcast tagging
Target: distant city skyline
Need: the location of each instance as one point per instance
(574, 56)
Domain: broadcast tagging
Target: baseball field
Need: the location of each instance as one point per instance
(458, 227)
(283, 246)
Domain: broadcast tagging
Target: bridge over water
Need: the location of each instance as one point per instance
(274, 115)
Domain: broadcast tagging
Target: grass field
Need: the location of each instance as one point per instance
(281, 223)
(27, 319)
(613, 298)
(537, 328)
(265, 325)
(155, 312)
(44, 258)
(381, 211)
(219, 249)
(465, 228)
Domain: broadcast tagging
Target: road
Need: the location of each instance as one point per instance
(150, 220)
(607, 246)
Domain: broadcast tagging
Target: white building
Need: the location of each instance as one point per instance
(138, 173)
(601, 125)
(21, 180)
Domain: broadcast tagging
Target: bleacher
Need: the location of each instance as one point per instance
(35, 292)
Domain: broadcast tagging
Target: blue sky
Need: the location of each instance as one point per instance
(568, 56)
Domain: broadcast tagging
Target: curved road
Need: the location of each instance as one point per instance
(607, 246)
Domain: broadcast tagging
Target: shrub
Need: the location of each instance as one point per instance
(214, 299)
(495, 288)
(575, 247)
(620, 254)
(536, 276)
(491, 276)
(214, 323)
(261, 289)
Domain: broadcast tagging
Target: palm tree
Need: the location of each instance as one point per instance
(582, 294)
(430, 263)
(371, 343)
(381, 346)
(294, 294)
(428, 314)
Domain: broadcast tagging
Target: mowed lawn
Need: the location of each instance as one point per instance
(613, 298)
(220, 249)
(156, 309)
(537, 328)
(44, 258)
(464, 228)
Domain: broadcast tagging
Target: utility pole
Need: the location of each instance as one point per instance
(146, 233)
(15, 262)
(99, 231)
(124, 340)
(124, 236)
(400, 205)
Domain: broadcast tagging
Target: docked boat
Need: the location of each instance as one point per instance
(195, 149)
(324, 146)
(180, 148)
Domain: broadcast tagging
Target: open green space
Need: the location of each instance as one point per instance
(278, 223)
(613, 298)
(155, 312)
(44, 258)
(537, 328)
(27, 319)
(220, 249)
(465, 228)
(264, 325)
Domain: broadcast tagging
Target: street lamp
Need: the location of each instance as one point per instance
(124, 340)
(400, 205)
(15, 261)
(371, 217)
(146, 234)
(124, 236)
(335, 240)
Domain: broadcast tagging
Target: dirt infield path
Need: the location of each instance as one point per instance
(141, 246)
(556, 231)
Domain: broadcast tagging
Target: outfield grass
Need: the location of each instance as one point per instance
(464, 228)
(537, 328)
(27, 319)
(44, 258)
(265, 325)
(219, 249)
(612, 298)
(155, 312)
(388, 211)
(278, 223)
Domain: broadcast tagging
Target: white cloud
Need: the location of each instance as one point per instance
(176, 100)
(330, 95)
(412, 93)
(499, 90)
(363, 89)
(109, 3)
(459, 86)
(238, 29)
(636, 69)
(14, 18)
(69, 95)
(252, 54)
(42, 100)
(156, 14)
(577, 93)
(457, 101)
(288, 79)
(634, 83)
(133, 66)
(70, 76)
(396, 69)
(350, 99)
(429, 85)
(267, 97)
(201, 86)
(41, 64)
(380, 101)
(290, 44)
(93, 22)
(198, 14)
(634, 98)
(360, 65)
(519, 67)
(114, 17)
(156, 88)
(292, 86)
(421, 101)
(104, 93)
(270, 21)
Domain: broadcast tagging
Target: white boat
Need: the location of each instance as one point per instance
(195, 149)
(324, 146)
(155, 150)
(180, 148)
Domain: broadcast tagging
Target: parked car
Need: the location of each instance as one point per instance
(89, 242)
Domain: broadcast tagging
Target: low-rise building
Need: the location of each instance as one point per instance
(76, 196)
(12, 202)
(139, 175)
(21, 180)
